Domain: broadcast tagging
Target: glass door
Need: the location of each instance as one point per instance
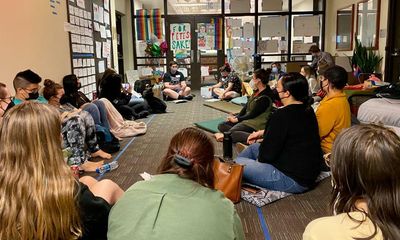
(195, 42)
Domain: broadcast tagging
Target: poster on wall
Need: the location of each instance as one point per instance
(206, 36)
(180, 36)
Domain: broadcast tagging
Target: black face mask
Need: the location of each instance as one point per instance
(9, 106)
(321, 85)
(33, 96)
(275, 95)
(63, 100)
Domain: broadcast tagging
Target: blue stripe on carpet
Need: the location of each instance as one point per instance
(263, 224)
(98, 178)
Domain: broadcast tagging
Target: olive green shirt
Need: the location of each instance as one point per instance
(170, 207)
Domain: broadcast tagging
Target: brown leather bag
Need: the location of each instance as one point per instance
(228, 178)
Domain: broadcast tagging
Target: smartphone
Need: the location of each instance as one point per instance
(125, 86)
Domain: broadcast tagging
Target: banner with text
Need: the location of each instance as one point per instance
(180, 36)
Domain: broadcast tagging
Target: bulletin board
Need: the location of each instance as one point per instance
(89, 26)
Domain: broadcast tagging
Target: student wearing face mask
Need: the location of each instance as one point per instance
(175, 84)
(254, 114)
(276, 71)
(289, 157)
(333, 112)
(26, 86)
(6, 102)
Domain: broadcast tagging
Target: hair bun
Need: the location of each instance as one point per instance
(48, 82)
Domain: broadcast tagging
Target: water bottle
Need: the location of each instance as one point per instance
(227, 146)
(107, 167)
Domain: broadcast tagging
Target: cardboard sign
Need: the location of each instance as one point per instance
(180, 36)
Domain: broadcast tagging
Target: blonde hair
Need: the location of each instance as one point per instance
(37, 189)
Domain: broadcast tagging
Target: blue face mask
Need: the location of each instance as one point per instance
(275, 70)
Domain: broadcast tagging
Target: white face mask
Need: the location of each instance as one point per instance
(252, 84)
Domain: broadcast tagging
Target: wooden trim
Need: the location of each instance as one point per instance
(378, 16)
(351, 31)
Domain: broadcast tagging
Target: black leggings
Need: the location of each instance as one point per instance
(239, 131)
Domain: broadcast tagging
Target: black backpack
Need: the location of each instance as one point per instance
(140, 85)
(390, 91)
(157, 105)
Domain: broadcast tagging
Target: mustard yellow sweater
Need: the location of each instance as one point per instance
(333, 115)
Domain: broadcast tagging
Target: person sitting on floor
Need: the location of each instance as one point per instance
(229, 85)
(78, 130)
(6, 101)
(254, 114)
(333, 113)
(175, 86)
(365, 164)
(289, 157)
(111, 88)
(180, 202)
(26, 86)
(313, 84)
(40, 198)
(78, 99)
(276, 71)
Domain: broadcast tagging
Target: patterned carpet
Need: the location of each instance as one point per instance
(285, 219)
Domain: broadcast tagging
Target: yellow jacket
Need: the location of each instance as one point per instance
(333, 115)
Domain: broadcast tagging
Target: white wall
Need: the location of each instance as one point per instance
(330, 30)
(32, 37)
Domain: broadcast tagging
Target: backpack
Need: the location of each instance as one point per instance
(106, 140)
(390, 91)
(157, 105)
(140, 85)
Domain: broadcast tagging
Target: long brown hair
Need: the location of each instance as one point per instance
(365, 166)
(196, 146)
(37, 189)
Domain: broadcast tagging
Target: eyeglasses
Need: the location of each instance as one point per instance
(34, 90)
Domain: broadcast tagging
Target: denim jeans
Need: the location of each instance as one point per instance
(98, 112)
(103, 113)
(265, 175)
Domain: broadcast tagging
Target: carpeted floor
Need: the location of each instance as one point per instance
(285, 219)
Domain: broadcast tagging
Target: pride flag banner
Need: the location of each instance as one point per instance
(142, 25)
(155, 23)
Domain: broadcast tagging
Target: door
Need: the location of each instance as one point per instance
(392, 66)
(196, 43)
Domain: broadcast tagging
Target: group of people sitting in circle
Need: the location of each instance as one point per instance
(41, 199)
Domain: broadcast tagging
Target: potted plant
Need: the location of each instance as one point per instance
(364, 61)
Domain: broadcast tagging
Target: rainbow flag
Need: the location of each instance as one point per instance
(218, 32)
(155, 23)
(142, 26)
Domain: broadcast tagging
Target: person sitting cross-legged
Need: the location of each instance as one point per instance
(229, 86)
(289, 157)
(175, 84)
